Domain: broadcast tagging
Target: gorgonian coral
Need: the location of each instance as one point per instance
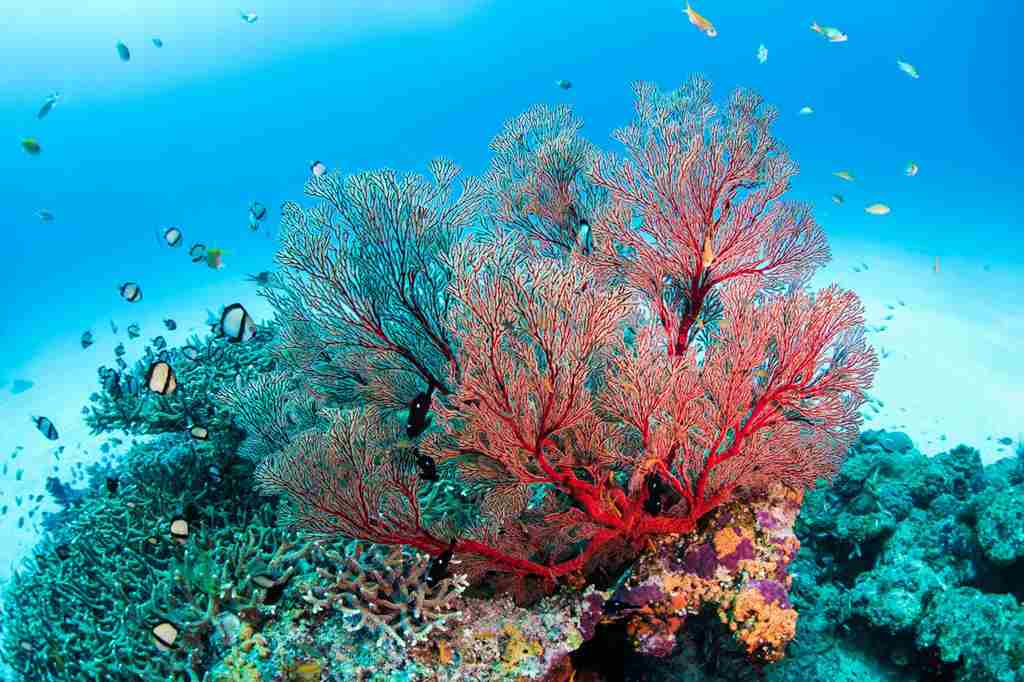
(565, 384)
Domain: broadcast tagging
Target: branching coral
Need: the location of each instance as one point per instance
(538, 180)
(83, 607)
(383, 591)
(123, 403)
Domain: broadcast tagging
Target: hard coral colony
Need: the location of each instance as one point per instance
(593, 392)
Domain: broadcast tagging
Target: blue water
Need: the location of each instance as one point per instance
(228, 112)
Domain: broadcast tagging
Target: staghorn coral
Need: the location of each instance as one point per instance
(382, 591)
(85, 610)
(124, 404)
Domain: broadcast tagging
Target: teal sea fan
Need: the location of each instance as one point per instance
(364, 301)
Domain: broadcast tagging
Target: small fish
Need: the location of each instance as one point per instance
(236, 324)
(170, 324)
(249, 17)
(86, 339)
(317, 168)
(437, 569)
(844, 175)
(48, 104)
(44, 216)
(30, 146)
(563, 84)
(131, 292)
(46, 427)
(215, 257)
(199, 432)
(164, 635)
(837, 199)
(158, 42)
(261, 278)
(762, 54)
(805, 111)
(908, 69)
(935, 267)
(707, 258)
(113, 327)
(911, 169)
(656, 490)
(257, 210)
(21, 385)
(160, 378)
(121, 364)
(274, 591)
(197, 253)
(418, 421)
(833, 35)
(119, 350)
(123, 52)
(179, 530)
(18, 474)
(190, 352)
(112, 483)
(159, 342)
(877, 209)
(134, 331)
(427, 466)
(172, 237)
(700, 22)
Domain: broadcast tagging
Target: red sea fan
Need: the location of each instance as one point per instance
(698, 204)
(575, 405)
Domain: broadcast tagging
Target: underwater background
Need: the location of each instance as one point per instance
(227, 112)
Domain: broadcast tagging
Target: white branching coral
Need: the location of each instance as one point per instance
(383, 591)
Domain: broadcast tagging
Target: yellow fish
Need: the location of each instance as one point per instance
(877, 209)
(707, 258)
(844, 175)
(700, 22)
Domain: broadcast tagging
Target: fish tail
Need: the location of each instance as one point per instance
(815, 27)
